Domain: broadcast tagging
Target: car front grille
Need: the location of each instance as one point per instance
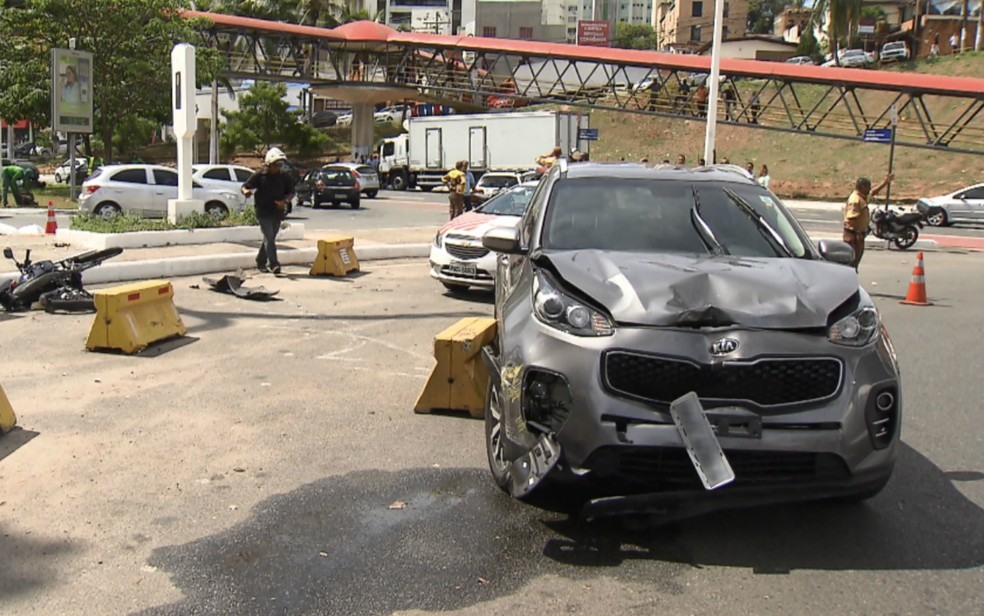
(768, 382)
(459, 251)
(671, 469)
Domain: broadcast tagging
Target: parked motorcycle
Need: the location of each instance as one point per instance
(902, 229)
(57, 285)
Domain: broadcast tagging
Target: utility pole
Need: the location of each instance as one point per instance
(979, 38)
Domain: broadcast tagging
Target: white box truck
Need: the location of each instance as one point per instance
(488, 141)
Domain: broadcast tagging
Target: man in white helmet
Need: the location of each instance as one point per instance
(273, 190)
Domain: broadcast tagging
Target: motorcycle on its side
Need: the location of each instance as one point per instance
(56, 285)
(898, 228)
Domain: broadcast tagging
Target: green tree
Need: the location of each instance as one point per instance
(840, 19)
(634, 36)
(809, 45)
(264, 120)
(131, 42)
(762, 14)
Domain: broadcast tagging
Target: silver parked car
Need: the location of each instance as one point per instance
(228, 177)
(964, 205)
(144, 190)
(669, 338)
(366, 175)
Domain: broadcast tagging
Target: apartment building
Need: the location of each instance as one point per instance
(686, 25)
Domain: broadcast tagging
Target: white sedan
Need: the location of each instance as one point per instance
(457, 258)
(228, 177)
(144, 190)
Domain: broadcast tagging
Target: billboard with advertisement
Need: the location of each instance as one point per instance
(71, 91)
(594, 33)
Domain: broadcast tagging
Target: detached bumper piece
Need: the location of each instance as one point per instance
(702, 445)
(234, 285)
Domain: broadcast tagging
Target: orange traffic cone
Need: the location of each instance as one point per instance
(52, 226)
(917, 287)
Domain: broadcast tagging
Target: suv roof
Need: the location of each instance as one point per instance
(709, 173)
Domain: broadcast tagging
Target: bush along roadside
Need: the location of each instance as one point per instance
(127, 222)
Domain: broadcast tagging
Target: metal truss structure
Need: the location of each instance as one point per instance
(940, 113)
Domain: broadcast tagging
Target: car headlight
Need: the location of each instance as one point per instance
(438, 240)
(857, 329)
(566, 313)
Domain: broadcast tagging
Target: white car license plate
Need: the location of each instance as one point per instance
(463, 269)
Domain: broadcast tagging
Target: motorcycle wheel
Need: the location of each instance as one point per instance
(906, 238)
(68, 300)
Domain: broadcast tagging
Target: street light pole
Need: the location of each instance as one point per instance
(713, 87)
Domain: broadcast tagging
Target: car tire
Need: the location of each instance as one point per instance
(372, 193)
(355, 204)
(937, 218)
(495, 443)
(455, 288)
(107, 210)
(216, 210)
(58, 178)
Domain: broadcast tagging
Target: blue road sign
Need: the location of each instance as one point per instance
(587, 134)
(878, 135)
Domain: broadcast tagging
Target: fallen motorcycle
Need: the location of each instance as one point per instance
(901, 229)
(56, 285)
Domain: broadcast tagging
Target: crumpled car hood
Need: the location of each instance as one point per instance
(669, 289)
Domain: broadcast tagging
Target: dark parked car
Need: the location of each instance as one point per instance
(324, 119)
(333, 186)
(671, 339)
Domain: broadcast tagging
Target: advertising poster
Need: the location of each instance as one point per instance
(71, 91)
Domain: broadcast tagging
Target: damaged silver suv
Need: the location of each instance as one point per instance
(671, 338)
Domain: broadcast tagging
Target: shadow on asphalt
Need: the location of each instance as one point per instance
(337, 546)
(29, 563)
(14, 440)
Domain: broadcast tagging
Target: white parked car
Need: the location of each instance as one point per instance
(389, 114)
(800, 60)
(366, 175)
(894, 51)
(63, 172)
(457, 258)
(228, 177)
(144, 190)
(852, 58)
(344, 119)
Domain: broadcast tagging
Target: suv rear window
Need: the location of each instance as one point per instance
(498, 181)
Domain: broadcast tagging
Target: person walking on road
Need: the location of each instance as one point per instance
(857, 215)
(274, 189)
(14, 178)
(456, 183)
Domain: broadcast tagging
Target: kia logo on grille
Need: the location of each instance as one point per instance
(724, 346)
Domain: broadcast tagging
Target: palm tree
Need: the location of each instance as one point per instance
(840, 18)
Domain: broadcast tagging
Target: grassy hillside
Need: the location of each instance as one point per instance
(800, 165)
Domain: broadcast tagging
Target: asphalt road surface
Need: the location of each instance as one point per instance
(270, 462)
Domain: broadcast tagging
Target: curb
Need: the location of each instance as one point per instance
(176, 237)
(210, 264)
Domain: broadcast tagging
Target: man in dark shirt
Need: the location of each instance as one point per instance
(274, 190)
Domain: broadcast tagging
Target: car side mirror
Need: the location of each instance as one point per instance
(8, 253)
(503, 240)
(962, 196)
(836, 251)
